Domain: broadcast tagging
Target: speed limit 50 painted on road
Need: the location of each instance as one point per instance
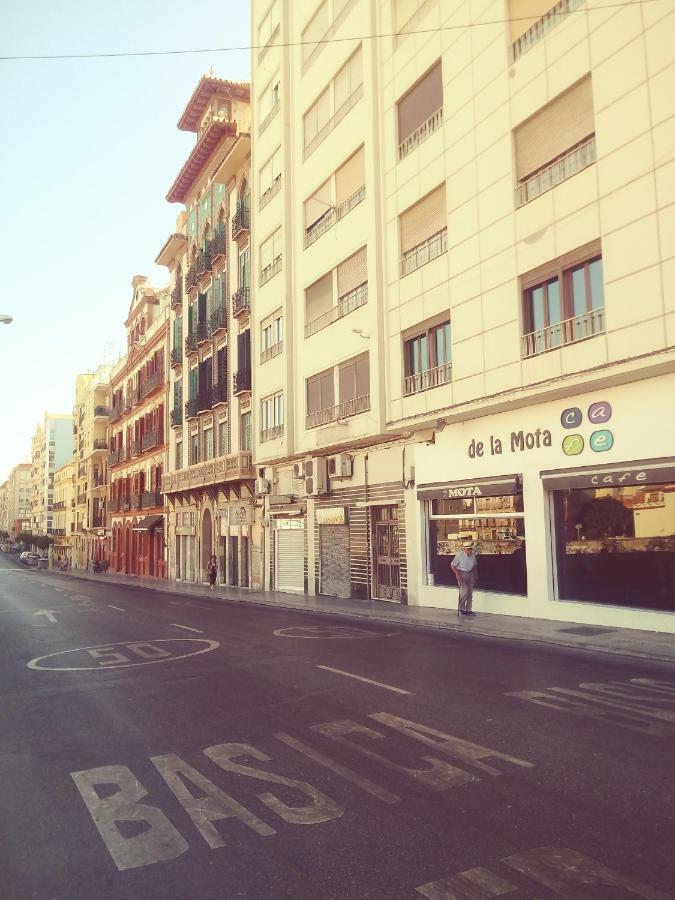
(123, 655)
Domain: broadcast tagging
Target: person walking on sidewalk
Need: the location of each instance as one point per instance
(212, 571)
(465, 568)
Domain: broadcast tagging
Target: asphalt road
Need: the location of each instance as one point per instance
(153, 746)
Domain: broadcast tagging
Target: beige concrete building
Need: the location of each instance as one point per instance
(209, 481)
(65, 513)
(463, 248)
(51, 447)
(91, 414)
(4, 519)
(18, 498)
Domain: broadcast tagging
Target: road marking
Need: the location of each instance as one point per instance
(387, 687)
(58, 590)
(327, 632)
(118, 608)
(187, 628)
(107, 658)
(49, 613)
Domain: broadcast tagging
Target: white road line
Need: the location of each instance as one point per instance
(187, 628)
(58, 590)
(118, 608)
(387, 687)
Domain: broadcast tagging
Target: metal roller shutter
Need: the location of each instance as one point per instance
(420, 103)
(423, 220)
(290, 560)
(335, 562)
(352, 273)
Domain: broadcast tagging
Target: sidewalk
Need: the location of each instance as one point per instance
(618, 641)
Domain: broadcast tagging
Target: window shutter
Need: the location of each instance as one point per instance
(420, 103)
(319, 204)
(423, 220)
(524, 13)
(222, 366)
(352, 272)
(404, 10)
(320, 391)
(557, 127)
(362, 375)
(347, 381)
(266, 253)
(319, 298)
(315, 30)
(350, 177)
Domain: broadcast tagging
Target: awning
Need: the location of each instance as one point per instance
(476, 487)
(644, 471)
(148, 523)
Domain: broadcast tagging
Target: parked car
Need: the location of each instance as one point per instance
(32, 559)
(23, 555)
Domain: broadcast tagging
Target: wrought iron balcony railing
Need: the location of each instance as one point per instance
(202, 332)
(151, 499)
(101, 411)
(204, 399)
(150, 382)
(241, 381)
(218, 243)
(344, 410)
(240, 221)
(219, 393)
(191, 278)
(191, 408)
(219, 319)
(177, 295)
(190, 343)
(100, 444)
(176, 416)
(423, 381)
(241, 302)
(567, 332)
(176, 356)
(150, 439)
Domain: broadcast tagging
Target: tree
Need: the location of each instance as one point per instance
(3, 535)
(24, 537)
(43, 541)
(606, 517)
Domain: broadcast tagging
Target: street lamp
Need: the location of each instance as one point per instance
(6, 320)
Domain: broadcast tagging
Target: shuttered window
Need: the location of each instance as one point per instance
(423, 220)
(524, 13)
(352, 272)
(319, 298)
(268, 24)
(270, 249)
(320, 391)
(350, 177)
(270, 171)
(354, 378)
(319, 204)
(556, 128)
(348, 79)
(404, 10)
(420, 103)
(315, 30)
(317, 117)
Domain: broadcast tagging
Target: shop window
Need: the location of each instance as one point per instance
(496, 525)
(564, 301)
(616, 545)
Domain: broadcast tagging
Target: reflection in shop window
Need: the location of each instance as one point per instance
(497, 527)
(616, 545)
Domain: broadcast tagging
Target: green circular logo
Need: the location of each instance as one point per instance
(572, 444)
(601, 440)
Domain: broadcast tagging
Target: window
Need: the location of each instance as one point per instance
(315, 30)
(319, 298)
(563, 302)
(348, 80)
(333, 103)
(320, 392)
(245, 268)
(222, 437)
(271, 335)
(427, 361)
(317, 117)
(350, 179)
(268, 26)
(420, 111)
(179, 455)
(270, 256)
(271, 417)
(333, 199)
(270, 177)
(208, 443)
(496, 524)
(269, 102)
(351, 382)
(194, 449)
(531, 20)
(349, 282)
(556, 142)
(354, 379)
(423, 230)
(245, 442)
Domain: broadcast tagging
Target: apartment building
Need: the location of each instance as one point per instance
(4, 520)
(18, 499)
(64, 512)
(209, 479)
(91, 415)
(463, 244)
(51, 447)
(136, 437)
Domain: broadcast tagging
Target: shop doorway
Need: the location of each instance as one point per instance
(289, 558)
(207, 540)
(335, 564)
(234, 560)
(386, 554)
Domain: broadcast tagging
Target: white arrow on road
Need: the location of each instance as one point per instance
(46, 612)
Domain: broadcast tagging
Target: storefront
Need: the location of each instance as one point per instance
(334, 560)
(570, 503)
(289, 554)
(234, 545)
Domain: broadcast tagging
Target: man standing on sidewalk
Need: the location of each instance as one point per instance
(465, 568)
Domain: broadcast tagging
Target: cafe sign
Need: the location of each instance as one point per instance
(331, 515)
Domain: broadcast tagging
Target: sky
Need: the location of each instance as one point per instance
(89, 149)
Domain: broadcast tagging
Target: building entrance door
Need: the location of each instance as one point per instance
(387, 565)
(234, 560)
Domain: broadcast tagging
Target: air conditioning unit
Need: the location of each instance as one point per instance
(340, 466)
(316, 477)
(262, 486)
(299, 469)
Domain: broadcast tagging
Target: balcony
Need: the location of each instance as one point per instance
(177, 296)
(423, 253)
(333, 122)
(100, 444)
(542, 26)
(191, 408)
(271, 351)
(270, 271)
(421, 133)
(333, 215)
(423, 381)
(176, 416)
(218, 245)
(98, 521)
(241, 221)
(236, 467)
(241, 302)
(204, 399)
(270, 192)
(570, 331)
(191, 344)
(81, 499)
(117, 411)
(114, 504)
(176, 356)
(135, 447)
(345, 305)
(203, 262)
(191, 279)
(101, 412)
(269, 434)
(557, 171)
(116, 456)
(241, 382)
(149, 383)
(151, 499)
(60, 504)
(219, 319)
(344, 410)
(150, 439)
(202, 332)
(135, 501)
(219, 393)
